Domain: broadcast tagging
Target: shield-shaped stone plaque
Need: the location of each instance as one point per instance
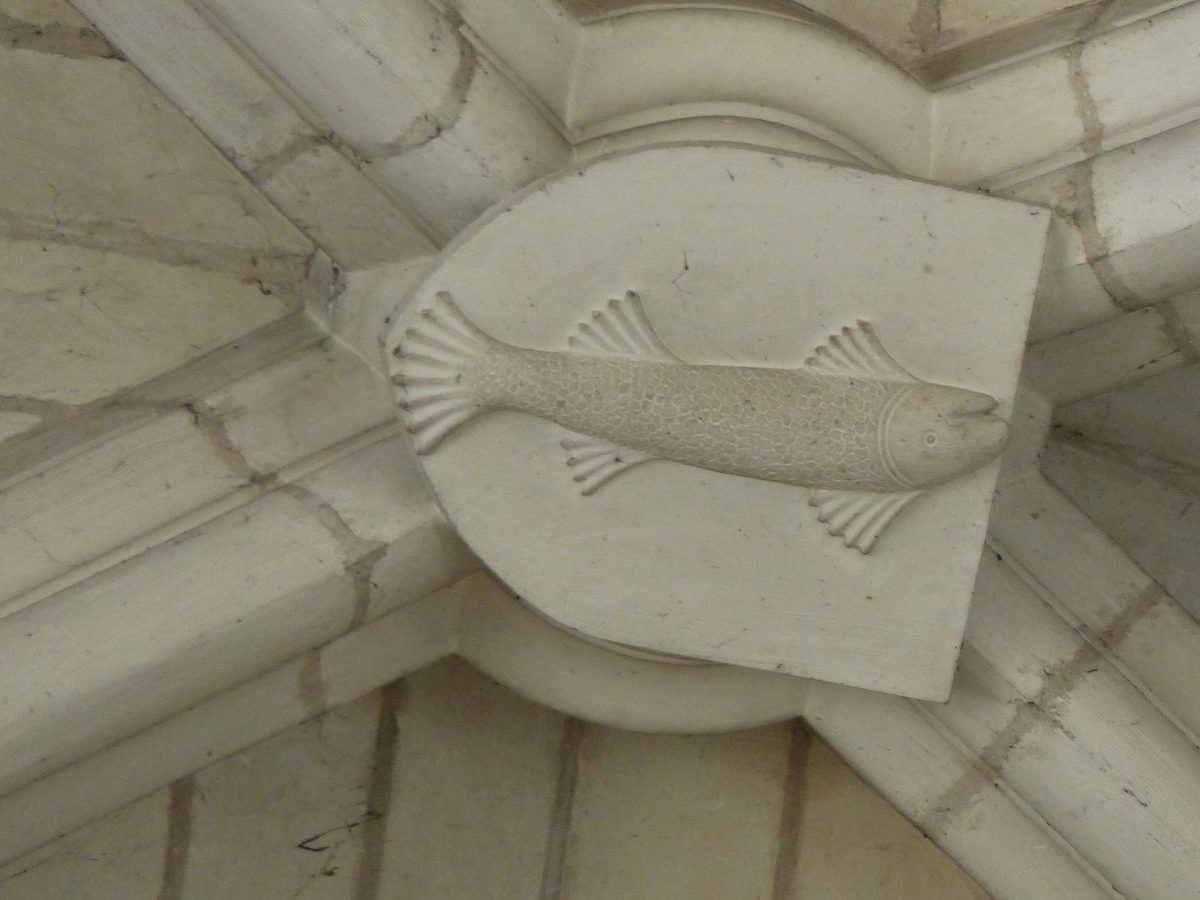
(760, 419)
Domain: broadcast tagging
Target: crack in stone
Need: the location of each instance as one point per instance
(43, 547)
(37, 865)
(1098, 23)
(324, 283)
(961, 61)
(300, 145)
(1178, 331)
(360, 570)
(310, 685)
(379, 792)
(357, 553)
(1030, 715)
(70, 41)
(1085, 103)
(1137, 608)
(554, 866)
(179, 835)
(954, 801)
(1061, 680)
(441, 117)
(791, 824)
(926, 25)
(346, 834)
(47, 410)
(213, 428)
(1095, 244)
(1088, 25)
(106, 237)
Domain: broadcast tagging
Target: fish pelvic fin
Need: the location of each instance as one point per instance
(595, 461)
(856, 352)
(436, 354)
(620, 327)
(858, 517)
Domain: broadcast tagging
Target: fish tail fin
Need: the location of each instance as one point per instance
(437, 355)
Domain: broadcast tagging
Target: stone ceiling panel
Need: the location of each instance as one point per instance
(43, 12)
(102, 161)
(111, 321)
(92, 150)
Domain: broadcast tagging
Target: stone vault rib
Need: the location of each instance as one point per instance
(213, 606)
(887, 738)
(1098, 589)
(376, 142)
(1081, 595)
(1041, 708)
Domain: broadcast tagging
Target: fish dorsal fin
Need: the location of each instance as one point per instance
(595, 461)
(855, 351)
(858, 517)
(619, 327)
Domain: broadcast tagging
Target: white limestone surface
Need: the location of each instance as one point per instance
(81, 324)
(744, 258)
(93, 152)
(43, 12)
(286, 817)
(119, 856)
(14, 423)
(643, 803)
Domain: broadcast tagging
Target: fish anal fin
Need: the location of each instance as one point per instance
(858, 517)
(856, 352)
(595, 461)
(620, 327)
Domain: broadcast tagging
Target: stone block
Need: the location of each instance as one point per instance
(119, 857)
(110, 321)
(286, 817)
(681, 816)
(141, 171)
(474, 778)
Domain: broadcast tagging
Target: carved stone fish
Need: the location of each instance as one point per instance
(851, 424)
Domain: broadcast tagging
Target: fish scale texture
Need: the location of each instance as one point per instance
(790, 426)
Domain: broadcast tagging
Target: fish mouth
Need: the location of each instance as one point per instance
(989, 433)
(974, 405)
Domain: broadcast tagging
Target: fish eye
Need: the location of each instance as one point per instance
(931, 439)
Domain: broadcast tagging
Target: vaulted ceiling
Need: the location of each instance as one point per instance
(211, 522)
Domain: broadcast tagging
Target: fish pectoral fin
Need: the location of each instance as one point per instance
(595, 461)
(856, 352)
(620, 327)
(858, 517)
